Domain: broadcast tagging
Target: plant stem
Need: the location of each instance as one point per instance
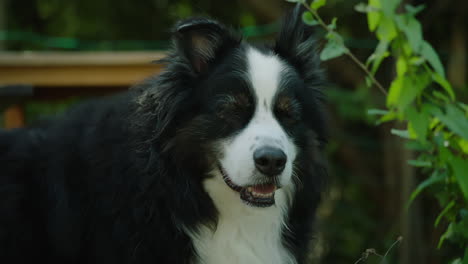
(348, 52)
(360, 260)
(390, 248)
(364, 68)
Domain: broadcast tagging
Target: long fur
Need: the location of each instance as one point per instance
(121, 179)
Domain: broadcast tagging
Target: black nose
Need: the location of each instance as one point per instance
(269, 160)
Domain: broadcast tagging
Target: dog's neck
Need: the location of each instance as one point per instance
(243, 234)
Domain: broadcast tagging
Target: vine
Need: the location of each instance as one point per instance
(421, 97)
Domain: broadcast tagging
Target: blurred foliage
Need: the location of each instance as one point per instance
(421, 96)
(107, 24)
(352, 105)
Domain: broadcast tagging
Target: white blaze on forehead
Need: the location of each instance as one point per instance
(264, 72)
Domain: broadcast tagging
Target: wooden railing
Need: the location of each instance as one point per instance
(36, 75)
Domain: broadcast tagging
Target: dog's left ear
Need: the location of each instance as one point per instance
(200, 40)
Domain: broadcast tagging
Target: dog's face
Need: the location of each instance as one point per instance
(259, 113)
(255, 110)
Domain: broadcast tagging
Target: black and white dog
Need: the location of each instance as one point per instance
(215, 160)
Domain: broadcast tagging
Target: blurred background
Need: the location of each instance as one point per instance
(54, 53)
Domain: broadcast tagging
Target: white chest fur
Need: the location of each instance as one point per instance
(244, 234)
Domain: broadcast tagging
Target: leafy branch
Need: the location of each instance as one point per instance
(421, 97)
(336, 40)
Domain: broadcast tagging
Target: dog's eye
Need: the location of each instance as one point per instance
(231, 106)
(288, 110)
(225, 108)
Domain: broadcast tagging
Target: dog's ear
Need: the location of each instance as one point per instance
(296, 42)
(200, 40)
(297, 45)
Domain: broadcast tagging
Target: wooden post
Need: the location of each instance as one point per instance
(14, 117)
(456, 67)
(3, 18)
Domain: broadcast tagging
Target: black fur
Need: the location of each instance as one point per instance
(115, 179)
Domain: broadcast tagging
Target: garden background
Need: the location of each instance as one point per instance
(370, 179)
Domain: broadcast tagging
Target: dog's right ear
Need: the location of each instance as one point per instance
(200, 40)
(296, 40)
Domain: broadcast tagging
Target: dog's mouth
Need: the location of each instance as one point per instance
(261, 195)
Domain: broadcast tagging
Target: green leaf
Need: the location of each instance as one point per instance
(395, 91)
(389, 6)
(332, 25)
(412, 11)
(368, 81)
(434, 178)
(463, 144)
(460, 169)
(309, 19)
(405, 89)
(361, 8)
(377, 112)
(419, 122)
(406, 49)
(392, 115)
(460, 228)
(374, 16)
(454, 118)
(413, 32)
(419, 163)
(386, 30)
(400, 133)
(380, 53)
(463, 106)
(444, 83)
(332, 50)
(417, 61)
(441, 96)
(428, 52)
(444, 212)
(401, 66)
(447, 234)
(316, 4)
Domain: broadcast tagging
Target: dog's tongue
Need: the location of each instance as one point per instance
(264, 188)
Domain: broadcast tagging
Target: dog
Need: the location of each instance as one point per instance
(218, 159)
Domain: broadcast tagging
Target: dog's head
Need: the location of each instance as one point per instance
(251, 113)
